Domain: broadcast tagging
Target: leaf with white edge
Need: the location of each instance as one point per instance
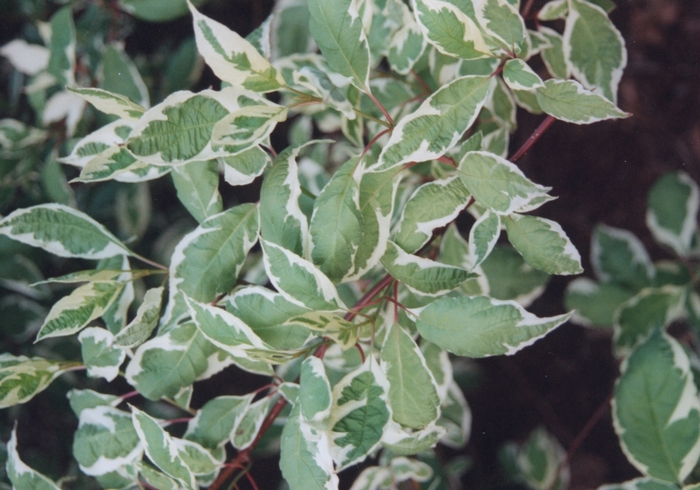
(305, 458)
(243, 168)
(499, 185)
(206, 262)
(359, 415)
(409, 441)
(619, 257)
(197, 185)
(223, 329)
(266, 312)
(509, 277)
(650, 309)
(502, 22)
(336, 223)
(28, 59)
(656, 411)
(595, 303)
(538, 43)
(62, 231)
(540, 459)
(161, 448)
(437, 125)
(422, 275)
(315, 397)
(290, 392)
(112, 134)
(438, 361)
(155, 478)
(146, 320)
(81, 399)
(180, 129)
(553, 10)
(109, 103)
(163, 365)
(432, 205)
(22, 476)
(568, 101)
(672, 211)
(99, 356)
(413, 393)
(527, 100)
(299, 280)
(281, 219)
(250, 424)
(519, 76)
(333, 326)
(115, 316)
(483, 237)
(337, 28)
(62, 45)
(22, 377)
(118, 74)
(373, 478)
(452, 31)
(594, 49)
(407, 43)
(232, 58)
(72, 313)
(16, 136)
(62, 106)
(553, 56)
(478, 326)
(217, 420)
(455, 418)
(105, 440)
(543, 244)
(201, 461)
(644, 484)
(248, 126)
(404, 469)
(377, 196)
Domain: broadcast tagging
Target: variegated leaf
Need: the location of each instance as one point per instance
(22, 377)
(483, 237)
(672, 212)
(216, 421)
(243, 168)
(22, 476)
(197, 185)
(569, 101)
(146, 320)
(315, 396)
(99, 356)
(249, 426)
(110, 103)
(519, 76)
(503, 24)
(620, 257)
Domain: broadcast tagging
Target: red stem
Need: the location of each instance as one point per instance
(381, 108)
(374, 140)
(544, 126)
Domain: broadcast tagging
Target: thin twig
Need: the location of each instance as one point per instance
(541, 129)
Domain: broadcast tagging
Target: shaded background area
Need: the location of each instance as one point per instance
(601, 173)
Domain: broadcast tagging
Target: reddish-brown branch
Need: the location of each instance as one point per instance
(368, 296)
(541, 129)
(583, 433)
(374, 140)
(381, 108)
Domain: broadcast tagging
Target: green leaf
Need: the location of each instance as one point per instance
(305, 458)
(62, 45)
(569, 101)
(483, 237)
(595, 303)
(519, 76)
(266, 312)
(119, 75)
(332, 325)
(15, 136)
(336, 225)
(250, 424)
(72, 313)
(509, 277)
(155, 10)
(451, 30)
(248, 126)
(22, 377)
(543, 244)
(63, 231)
(553, 57)
(243, 168)
(656, 411)
(22, 476)
(105, 440)
(672, 211)
(502, 22)
(437, 125)
(553, 10)
(202, 462)
(197, 185)
(456, 418)
(644, 484)
(146, 320)
(82, 399)
(478, 326)
(155, 478)
(217, 420)
(413, 392)
(315, 396)
(232, 58)
(651, 309)
(161, 448)
(421, 275)
(337, 28)
(206, 262)
(99, 356)
(432, 205)
(407, 42)
(298, 280)
(499, 185)
(619, 257)
(594, 48)
(163, 365)
(110, 103)
(359, 414)
(539, 461)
